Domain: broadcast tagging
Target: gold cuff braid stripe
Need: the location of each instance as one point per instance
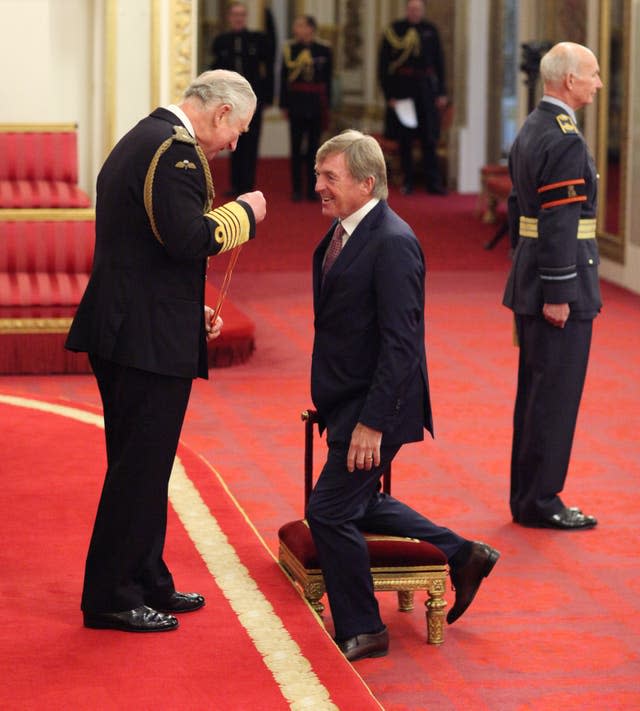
(586, 227)
(233, 226)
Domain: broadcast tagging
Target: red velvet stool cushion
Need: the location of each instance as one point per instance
(384, 551)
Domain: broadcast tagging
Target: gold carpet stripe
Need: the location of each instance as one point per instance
(283, 657)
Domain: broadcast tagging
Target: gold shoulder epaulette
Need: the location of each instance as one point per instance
(566, 123)
(181, 134)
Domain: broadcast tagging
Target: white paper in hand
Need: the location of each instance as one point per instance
(406, 112)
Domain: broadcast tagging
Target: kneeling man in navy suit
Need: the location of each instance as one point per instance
(370, 387)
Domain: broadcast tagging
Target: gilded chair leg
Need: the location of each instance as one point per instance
(436, 606)
(489, 216)
(405, 600)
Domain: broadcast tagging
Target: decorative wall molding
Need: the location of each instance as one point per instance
(181, 46)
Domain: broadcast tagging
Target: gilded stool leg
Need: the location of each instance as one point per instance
(405, 600)
(314, 592)
(436, 606)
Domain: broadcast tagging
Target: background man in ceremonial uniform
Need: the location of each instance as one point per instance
(553, 286)
(250, 54)
(143, 322)
(411, 66)
(305, 95)
(370, 387)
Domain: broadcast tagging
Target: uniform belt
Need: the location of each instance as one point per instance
(586, 227)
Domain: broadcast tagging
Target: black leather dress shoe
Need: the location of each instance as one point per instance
(569, 519)
(437, 190)
(180, 602)
(466, 579)
(365, 645)
(141, 619)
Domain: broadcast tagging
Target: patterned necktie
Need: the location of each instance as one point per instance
(333, 250)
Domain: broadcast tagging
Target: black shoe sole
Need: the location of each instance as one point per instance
(100, 625)
(169, 611)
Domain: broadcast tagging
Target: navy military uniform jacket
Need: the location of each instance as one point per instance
(305, 82)
(249, 53)
(553, 209)
(369, 362)
(411, 60)
(144, 303)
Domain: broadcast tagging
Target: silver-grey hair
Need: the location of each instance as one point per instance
(220, 86)
(562, 59)
(363, 156)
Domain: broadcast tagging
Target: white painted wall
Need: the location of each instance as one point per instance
(472, 137)
(46, 58)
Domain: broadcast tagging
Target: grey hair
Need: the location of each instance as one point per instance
(562, 59)
(363, 156)
(220, 86)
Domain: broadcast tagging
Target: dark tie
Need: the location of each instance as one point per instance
(333, 250)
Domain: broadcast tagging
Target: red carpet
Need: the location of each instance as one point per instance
(556, 624)
(255, 645)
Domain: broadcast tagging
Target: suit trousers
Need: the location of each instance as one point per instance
(143, 416)
(427, 132)
(551, 373)
(301, 130)
(342, 505)
(245, 157)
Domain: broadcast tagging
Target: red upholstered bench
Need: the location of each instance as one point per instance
(403, 565)
(45, 263)
(39, 166)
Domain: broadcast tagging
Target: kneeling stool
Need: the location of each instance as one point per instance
(401, 564)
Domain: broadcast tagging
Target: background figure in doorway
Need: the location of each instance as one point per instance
(305, 94)
(411, 66)
(251, 54)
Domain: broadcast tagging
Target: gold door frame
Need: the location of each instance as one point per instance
(612, 241)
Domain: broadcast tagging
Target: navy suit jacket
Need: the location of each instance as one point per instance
(369, 362)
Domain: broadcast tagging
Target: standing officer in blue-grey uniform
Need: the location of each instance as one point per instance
(411, 66)
(553, 286)
(251, 54)
(305, 96)
(144, 324)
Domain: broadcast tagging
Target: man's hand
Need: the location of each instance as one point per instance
(556, 314)
(212, 329)
(256, 202)
(364, 449)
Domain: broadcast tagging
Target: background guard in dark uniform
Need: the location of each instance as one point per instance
(305, 94)
(411, 66)
(251, 54)
(553, 286)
